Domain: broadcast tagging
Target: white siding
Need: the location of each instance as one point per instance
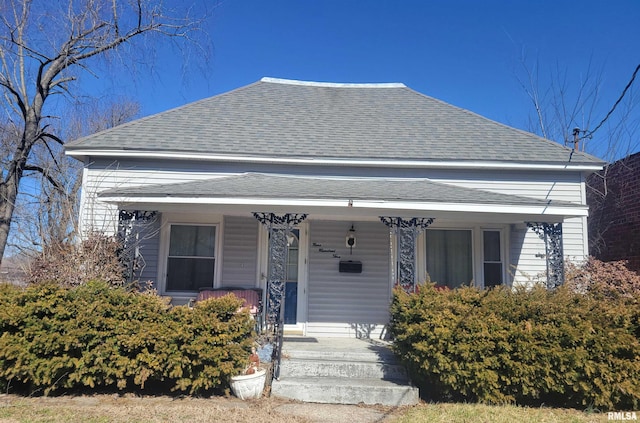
(101, 176)
(551, 185)
(526, 250)
(574, 233)
(348, 304)
(240, 252)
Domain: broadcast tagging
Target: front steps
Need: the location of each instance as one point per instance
(342, 371)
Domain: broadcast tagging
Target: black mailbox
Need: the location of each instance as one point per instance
(350, 266)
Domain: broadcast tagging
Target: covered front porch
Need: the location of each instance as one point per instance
(327, 252)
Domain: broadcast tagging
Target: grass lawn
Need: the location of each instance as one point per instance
(114, 408)
(436, 413)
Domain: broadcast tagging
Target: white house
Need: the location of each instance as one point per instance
(336, 191)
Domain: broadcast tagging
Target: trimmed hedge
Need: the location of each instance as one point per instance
(528, 347)
(94, 335)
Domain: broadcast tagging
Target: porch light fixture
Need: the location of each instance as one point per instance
(351, 239)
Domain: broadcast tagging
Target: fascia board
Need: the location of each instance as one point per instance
(79, 153)
(356, 204)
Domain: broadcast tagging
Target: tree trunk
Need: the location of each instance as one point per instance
(8, 195)
(9, 187)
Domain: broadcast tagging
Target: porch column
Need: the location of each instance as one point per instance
(551, 234)
(279, 227)
(131, 224)
(406, 233)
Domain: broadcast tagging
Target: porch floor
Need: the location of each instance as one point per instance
(342, 371)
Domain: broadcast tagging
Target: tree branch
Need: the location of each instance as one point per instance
(44, 172)
(50, 136)
(7, 84)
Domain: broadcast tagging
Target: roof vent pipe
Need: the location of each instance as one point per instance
(576, 138)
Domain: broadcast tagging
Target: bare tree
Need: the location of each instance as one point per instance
(569, 109)
(44, 47)
(47, 214)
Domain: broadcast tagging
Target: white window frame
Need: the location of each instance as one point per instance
(477, 249)
(164, 254)
(502, 253)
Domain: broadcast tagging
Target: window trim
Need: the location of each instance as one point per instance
(502, 254)
(164, 254)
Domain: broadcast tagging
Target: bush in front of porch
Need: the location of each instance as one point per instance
(529, 347)
(96, 336)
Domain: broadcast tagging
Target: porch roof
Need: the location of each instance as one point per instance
(408, 195)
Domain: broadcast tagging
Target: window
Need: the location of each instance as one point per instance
(191, 261)
(449, 257)
(492, 259)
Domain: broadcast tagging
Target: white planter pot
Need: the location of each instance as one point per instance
(249, 386)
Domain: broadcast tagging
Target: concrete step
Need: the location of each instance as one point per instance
(342, 371)
(334, 390)
(341, 368)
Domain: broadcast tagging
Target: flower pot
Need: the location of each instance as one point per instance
(248, 386)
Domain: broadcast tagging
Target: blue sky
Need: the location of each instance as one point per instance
(465, 52)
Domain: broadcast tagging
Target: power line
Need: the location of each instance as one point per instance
(590, 133)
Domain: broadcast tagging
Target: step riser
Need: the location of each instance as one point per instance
(365, 356)
(396, 396)
(300, 368)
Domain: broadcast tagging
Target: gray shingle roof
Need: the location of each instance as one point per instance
(266, 186)
(275, 118)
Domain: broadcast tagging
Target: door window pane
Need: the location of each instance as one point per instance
(449, 257)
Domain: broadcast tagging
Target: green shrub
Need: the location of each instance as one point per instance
(524, 346)
(95, 335)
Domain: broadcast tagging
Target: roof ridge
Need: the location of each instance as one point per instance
(333, 84)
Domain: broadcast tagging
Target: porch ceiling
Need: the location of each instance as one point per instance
(346, 196)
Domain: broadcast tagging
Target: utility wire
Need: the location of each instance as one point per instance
(590, 133)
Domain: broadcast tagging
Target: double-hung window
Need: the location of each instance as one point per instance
(191, 261)
(492, 258)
